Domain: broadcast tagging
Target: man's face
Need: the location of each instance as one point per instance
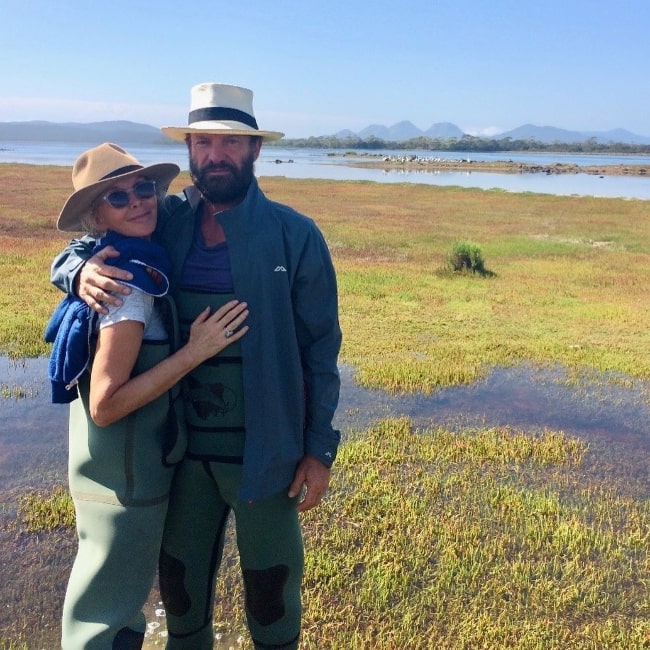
(222, 166)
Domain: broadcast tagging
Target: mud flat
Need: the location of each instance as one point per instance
(498, 166)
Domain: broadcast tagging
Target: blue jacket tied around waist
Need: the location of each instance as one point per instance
(73, 322)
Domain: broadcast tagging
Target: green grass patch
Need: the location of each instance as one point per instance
(473, 541)
(42, 512)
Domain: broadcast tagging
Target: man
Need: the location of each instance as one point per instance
(259, 414)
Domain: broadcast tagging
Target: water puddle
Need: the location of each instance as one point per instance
(33, 438)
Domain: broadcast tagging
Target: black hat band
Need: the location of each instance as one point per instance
(217, 114)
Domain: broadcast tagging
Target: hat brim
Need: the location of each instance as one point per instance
(80, 202)
(178, 133)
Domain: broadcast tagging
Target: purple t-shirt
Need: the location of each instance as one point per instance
(207, 268)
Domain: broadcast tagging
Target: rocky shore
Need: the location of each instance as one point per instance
(432, 163)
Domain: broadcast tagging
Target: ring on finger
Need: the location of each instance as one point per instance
(228, 332)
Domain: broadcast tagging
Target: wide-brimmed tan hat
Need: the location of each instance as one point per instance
(96, 170)
(220, 109)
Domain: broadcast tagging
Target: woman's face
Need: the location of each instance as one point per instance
(129, 207)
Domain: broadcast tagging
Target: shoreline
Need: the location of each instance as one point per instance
(412, 162)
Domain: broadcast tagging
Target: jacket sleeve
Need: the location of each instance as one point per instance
(67, 264)
(315, 301)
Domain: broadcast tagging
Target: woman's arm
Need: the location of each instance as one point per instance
(114, 393)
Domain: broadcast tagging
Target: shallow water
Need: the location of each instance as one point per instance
(332, 165)
(33, 440)
(611, 414)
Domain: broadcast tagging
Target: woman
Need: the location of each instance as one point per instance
(125, 433)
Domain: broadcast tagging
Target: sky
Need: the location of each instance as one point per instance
(318, 67)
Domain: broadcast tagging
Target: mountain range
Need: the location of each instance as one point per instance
(547, 134)
(120, 131)
(126, 132)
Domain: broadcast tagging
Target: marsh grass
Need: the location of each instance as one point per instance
(569, 287)
(43, 512)
(491, 538)
(488, 538)
(480, 540)
(15, 391)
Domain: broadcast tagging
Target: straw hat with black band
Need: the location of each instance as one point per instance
(220, 109)
(96, 170)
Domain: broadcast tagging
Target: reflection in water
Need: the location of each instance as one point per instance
(637, 187)
(613, 417)
(33, 440)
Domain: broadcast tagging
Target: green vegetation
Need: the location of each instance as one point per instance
(484, 538)
(569, 283)
(15, 391)
(474, 541)
(466, 257)
(38, 512)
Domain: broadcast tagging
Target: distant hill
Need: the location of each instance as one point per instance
(120, 131)
(550, 134)
(403, 131)
(443, 130)
(129, 133)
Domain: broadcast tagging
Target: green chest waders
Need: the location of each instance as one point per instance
(205, 491)
(120, 478)
(213, 392)
(130, 461)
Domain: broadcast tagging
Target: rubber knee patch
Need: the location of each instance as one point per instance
(128, 639)
(265, 593)
(172, 585)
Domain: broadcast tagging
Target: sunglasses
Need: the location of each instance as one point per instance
(120, 198)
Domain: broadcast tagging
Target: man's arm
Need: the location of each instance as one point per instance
(67, 264)
(77, 271)
(319, 335)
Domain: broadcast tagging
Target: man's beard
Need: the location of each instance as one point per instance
(226, 188)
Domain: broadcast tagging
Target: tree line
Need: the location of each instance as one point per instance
(466, 143)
